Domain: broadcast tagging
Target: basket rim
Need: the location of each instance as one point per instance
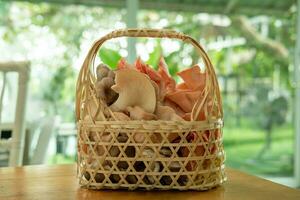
(155, 124)
(218, 121)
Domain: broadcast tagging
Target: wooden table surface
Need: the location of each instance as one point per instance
(59, 182)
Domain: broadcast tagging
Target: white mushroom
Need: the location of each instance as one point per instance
(148, 152)
(154, 167)
(134, 89)
(137, 113)
(167, 113)
(91, 111)
(121, 116)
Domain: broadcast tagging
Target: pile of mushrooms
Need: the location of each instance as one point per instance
(142, 93)
(138, 92)
(133, 93)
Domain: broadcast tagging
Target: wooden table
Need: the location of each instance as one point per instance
(59, 182)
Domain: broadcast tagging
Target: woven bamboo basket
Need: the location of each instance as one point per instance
(121, 171)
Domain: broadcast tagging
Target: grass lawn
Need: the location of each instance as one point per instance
(61, 159)
(243, 144)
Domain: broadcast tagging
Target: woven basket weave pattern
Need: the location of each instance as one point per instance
(109, 155)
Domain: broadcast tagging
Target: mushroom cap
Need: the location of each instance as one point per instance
(167, 113)
(134, 89)
(102, 71)
(121, 116)
(193, 78)
(137, 113)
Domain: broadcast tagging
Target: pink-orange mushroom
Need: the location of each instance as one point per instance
(185, 99)
(163, 70)
(193, 78)
(187, 93)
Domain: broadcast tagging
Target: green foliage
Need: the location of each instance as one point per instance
(172, 61)
(264, 111)
(277, 110)
(60, 90)
(218, 57)
(109, 57)
(155, 55)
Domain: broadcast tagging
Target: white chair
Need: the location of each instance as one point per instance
(15, 144)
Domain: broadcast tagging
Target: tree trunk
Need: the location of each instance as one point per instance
(253, 36)
(268, 142)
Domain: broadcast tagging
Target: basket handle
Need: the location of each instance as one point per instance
(211, 80)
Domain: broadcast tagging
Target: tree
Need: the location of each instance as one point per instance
(275, 112)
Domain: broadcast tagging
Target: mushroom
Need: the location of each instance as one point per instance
(167, 113)
(114, 151)
(139, 137)
(185, 99)
(87, 175)
(137, 113)
(183, 180)
(163, 71)
(122, 64)
(104, 91)
(122, 137)
(114, 178)
(91, 111)
(184, 96)
(107, 165)
(97, 137)
(154, 167)
(166, 180)
(156, 138)
(131, 179)
(102, 71)
(121, 116)
(134, 89)
(130, 151)
(148, 152)
(105, 79)
(193, 78)
(165, 152)
(174, 166)
(157, 91)
(99, 177)
(122, 165)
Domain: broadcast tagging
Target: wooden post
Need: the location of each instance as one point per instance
(131, 21)
(297, 100)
